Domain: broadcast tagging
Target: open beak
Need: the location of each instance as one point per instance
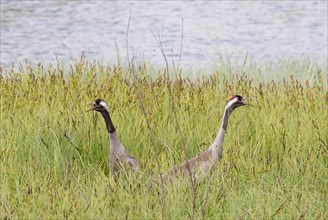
(242, 102)
(92, 108)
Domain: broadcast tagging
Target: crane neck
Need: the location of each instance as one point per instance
(217, 145)
(108, 121)
(225, 120)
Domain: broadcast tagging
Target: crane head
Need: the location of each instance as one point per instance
(235, 102)
(98, 105)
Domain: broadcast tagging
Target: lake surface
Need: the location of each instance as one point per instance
(42, 31)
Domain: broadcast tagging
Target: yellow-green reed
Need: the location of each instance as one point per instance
(54, 155)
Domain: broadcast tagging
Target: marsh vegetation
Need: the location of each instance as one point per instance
(54, 155)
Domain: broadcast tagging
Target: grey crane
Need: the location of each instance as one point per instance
(118, 157)
(204, 161)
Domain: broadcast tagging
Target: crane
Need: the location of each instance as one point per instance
(118, 157)
(204, 161)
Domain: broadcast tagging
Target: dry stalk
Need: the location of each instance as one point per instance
(158, 39)
(151, 133)
(4, 205)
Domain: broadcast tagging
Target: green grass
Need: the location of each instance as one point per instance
(54, 155)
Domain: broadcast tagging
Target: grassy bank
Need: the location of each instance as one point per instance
(54, 155)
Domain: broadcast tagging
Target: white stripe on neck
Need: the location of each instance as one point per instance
(104, 104)
(231, 102)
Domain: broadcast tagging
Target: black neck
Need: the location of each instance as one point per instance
(226, 118)
(108, 121)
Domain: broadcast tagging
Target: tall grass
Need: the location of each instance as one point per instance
(54, 155)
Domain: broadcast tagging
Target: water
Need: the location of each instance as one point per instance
(42, 31)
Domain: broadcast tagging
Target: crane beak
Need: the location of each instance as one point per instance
(246, 103)
(92, 108)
